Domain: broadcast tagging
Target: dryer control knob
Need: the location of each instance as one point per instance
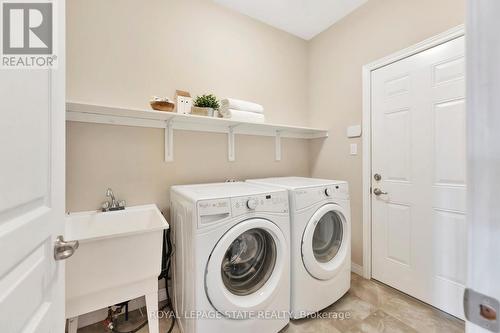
(252, 204)
(328, 192)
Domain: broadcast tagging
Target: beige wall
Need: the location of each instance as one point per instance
(131, 161)
(120, 52)
(375, 30)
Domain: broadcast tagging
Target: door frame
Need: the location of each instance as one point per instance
(429, 43)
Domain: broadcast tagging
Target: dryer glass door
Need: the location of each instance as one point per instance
(325, 243)
(327, 237)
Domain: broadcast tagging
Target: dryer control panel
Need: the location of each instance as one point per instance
(306, 197)
(275, 202)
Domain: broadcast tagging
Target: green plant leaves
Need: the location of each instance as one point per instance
(206, 101)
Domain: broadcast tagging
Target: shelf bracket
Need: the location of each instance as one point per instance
(230, 144)
(169, 141)
(277, 145)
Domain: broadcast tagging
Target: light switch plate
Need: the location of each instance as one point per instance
(354, 149)
(354, 131)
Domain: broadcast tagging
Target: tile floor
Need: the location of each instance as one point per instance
(368, 307)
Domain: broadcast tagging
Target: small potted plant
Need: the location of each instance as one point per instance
(205, 105)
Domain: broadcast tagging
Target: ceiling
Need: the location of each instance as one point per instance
(303, 18)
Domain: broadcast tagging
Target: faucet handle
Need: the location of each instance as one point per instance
(121, 203)
(105, 205)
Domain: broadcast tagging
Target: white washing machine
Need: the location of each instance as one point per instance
(231, 270)
(320, 241)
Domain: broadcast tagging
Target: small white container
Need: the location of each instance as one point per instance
(196, 110)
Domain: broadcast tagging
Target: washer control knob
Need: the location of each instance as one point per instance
(328, 192)
(252, 204)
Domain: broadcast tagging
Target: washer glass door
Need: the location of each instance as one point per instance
(325, 242)
(248, 262)
(247, 268)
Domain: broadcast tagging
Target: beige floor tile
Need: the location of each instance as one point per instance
(164, 326)
(372, 307)
(421, 316)
(371, 291)
(353, 308)
(381, 322)
(310, 325)
(414, 313)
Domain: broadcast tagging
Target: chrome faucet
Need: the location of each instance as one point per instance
(113, 204)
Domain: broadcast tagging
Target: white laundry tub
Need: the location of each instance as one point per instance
(119, 258)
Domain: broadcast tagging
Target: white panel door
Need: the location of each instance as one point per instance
(418, 149)
(32, 138)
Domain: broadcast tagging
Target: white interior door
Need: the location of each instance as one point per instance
(418, 149)
(32, 139)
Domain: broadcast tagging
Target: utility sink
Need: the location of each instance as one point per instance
(94, 225)
(119, 258)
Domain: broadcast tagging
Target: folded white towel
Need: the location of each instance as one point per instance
(244, 116)
(236, 104)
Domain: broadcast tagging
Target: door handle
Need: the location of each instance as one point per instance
(63, 250)
(378, 191)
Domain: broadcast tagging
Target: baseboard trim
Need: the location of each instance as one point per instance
(99, 315)
(357, 269)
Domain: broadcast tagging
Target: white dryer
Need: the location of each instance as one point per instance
(231, 268)
(320, 241)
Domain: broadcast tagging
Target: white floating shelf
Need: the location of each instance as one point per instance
(170, 121)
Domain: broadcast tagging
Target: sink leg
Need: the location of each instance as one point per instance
(152, 309)
(72, 325)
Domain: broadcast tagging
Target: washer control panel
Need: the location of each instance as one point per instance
(212, 211)
(217, 206)
(306, 197)
(272, 202)
(252, 203)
